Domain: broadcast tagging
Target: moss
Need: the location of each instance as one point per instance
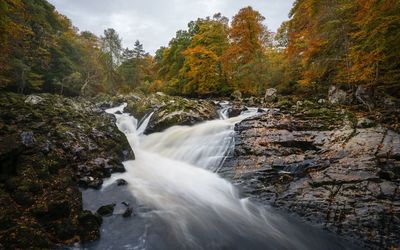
(25, 237)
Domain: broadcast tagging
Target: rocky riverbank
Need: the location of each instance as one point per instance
(51, 145)
(329, 165)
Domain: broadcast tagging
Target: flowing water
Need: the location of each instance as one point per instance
(181, 202)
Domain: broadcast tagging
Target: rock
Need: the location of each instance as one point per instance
(234, 111)
(270, 95)
(251, 101)
(364, 95)
(34, 99)
(338, 96)
(27, 138)
(48, 144)
(316, 166)
(180, 112)
(298, 105)
(89, 225)
(121, 182)
(90, 182)
(106, 210)
(128, 212)
(236, 95)
(364, 123)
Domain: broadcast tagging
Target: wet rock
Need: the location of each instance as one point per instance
(235, 111)
(128, 212)
(48, 144)
(312, 163)
(90, 182)
(181, 112)
(89, 225)
(121, 182)
(106, 210)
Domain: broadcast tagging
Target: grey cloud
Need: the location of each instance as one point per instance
(154, 22)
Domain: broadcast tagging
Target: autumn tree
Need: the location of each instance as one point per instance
(375, 51)
(202, 69)
(245, 53)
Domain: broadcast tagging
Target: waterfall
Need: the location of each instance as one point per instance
(174, 174)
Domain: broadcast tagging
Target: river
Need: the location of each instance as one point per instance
(181, 202)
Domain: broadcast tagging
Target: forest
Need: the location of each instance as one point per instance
(230, 136)
(323, 43)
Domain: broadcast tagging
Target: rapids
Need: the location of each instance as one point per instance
(181, 202)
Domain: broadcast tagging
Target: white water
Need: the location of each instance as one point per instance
(174, 174)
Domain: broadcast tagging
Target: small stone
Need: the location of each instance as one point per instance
(128, 212)
(27, 138)
(106, 210)
(34, 99)
(121, 182)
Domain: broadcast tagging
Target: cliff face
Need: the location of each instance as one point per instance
(330, 166)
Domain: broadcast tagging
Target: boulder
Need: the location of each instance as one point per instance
(338, 96)
(121, 182)
(236, 95)
(270, 95)
(364, 95)
(89, 225)
(106, 210)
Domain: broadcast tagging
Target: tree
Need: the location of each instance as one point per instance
(247, 35)
(375, 52)
(138, 51)
(111, 58)
(202, 69)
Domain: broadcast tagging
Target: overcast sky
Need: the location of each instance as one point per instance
(155, 22)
